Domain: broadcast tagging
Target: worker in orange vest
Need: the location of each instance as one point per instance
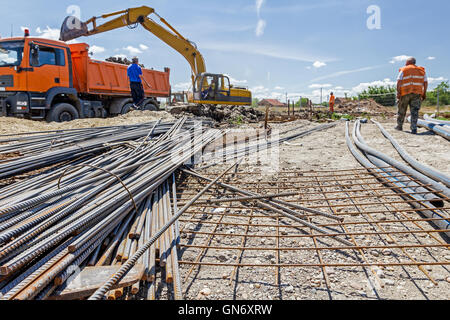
(332, 100)
(412, 85)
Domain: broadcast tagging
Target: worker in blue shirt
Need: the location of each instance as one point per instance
(137, 90)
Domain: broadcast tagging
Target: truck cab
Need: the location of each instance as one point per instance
(31, 69)
(47, 79)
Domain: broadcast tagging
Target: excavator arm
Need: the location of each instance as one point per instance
(207, 88)
(72, 28)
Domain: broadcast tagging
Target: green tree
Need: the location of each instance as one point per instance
(255, 102)
(304, 102)
(444, 95)
(384, 95)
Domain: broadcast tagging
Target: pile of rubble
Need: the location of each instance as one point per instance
(368, 106)
(219, 113)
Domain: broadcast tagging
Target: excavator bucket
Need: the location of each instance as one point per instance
(72, 28)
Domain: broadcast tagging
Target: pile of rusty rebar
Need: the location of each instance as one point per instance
(100, 197)
(95, 210)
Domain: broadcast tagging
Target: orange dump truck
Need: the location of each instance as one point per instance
(47, 79)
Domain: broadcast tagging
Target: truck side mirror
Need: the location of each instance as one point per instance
(34, 55)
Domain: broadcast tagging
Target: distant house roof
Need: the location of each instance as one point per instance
(271, 102)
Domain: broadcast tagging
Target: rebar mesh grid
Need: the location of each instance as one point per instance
(241, 251)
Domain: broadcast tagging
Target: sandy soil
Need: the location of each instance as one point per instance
(328, 150)
(320, 151)
(16, 125)
(325, 150)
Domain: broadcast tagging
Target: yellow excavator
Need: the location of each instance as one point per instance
(207, 88)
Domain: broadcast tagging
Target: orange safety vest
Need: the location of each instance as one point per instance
(413, 80)
(332, 99)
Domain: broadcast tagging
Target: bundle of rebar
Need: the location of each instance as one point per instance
(104, 197)
(96, 210)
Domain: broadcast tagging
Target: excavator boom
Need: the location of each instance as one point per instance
(207, 88)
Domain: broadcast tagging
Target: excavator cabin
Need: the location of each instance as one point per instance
(216, 89)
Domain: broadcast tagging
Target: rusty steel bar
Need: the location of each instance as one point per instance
(129, 264)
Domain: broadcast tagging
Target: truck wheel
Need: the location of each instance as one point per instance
(126, 108)
(62, 112)
(104, 113)
(151, 107)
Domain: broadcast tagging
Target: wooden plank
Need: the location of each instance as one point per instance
(92, 278)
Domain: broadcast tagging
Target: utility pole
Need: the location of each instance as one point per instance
(321, 89)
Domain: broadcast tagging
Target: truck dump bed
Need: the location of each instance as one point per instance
(108, 78)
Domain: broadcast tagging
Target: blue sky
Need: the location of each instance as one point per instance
(273, 47)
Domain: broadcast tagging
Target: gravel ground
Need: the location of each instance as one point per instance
(327, 149)
(321, 151)
(10, 125)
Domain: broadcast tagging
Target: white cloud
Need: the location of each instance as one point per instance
(182, 86)
(433, 80)
(319, 64)
(317, 93)
(296, 95)
(259, 4)
(399, 58)
(259, 31)
(234, 81)
(5, 58)
(302, 6)
(96, 49)
(318, 86)
(258, 49)
(132, 50)
(237, 82)
(340, 91)
(365, 85)
(261, 25)
(431, 58)
(345, 72)
(48, 33)
(259, 89)
(261, 92)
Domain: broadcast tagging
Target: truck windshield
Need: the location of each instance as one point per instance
(11, 53)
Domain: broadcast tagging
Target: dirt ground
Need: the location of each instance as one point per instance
(320, 151)
(327, 149)
(15, 125)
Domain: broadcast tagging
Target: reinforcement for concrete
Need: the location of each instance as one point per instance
(235, 250)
